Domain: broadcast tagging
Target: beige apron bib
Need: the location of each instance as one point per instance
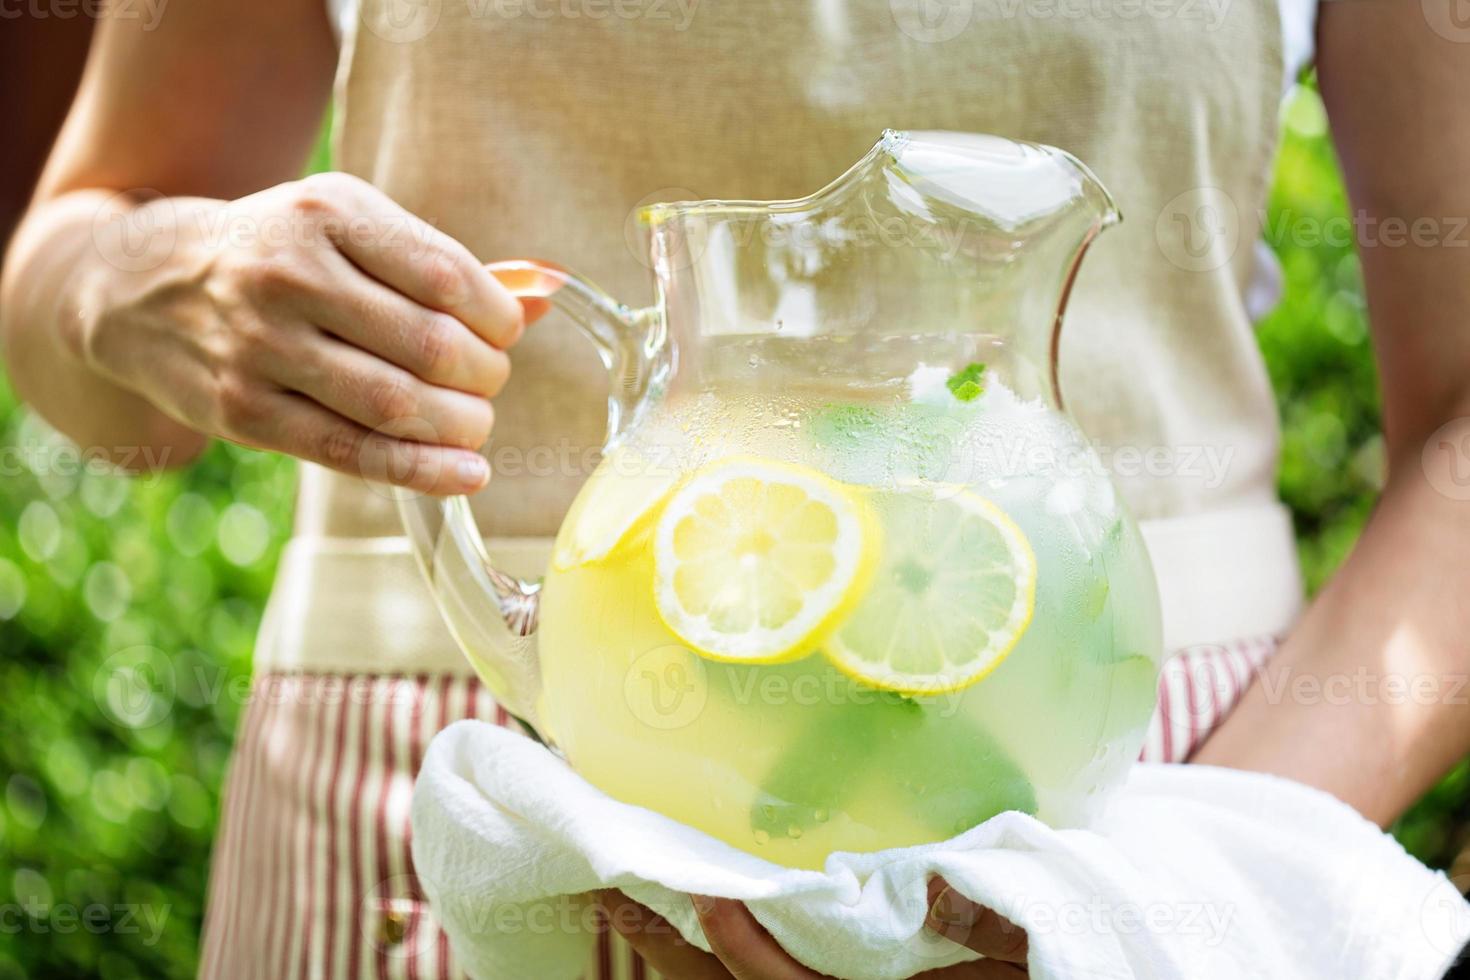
(536, 127)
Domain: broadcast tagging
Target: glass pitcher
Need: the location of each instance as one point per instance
(847, 576)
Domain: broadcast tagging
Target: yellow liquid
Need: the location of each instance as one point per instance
(794, 761)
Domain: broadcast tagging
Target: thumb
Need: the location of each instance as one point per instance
(960, 920)
(535, 307)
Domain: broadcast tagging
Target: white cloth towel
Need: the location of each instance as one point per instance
(1194, 873)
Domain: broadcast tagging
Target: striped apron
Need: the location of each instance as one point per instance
(312, 873)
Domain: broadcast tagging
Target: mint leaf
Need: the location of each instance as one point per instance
(967, 385)
(968, 391)
(846, 427)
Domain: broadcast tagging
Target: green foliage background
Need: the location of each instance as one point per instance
(127, 611)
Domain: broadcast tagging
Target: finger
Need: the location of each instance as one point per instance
(529, 286)
(535, 307)
(428, 266)
(962, 921)
(743, 944)
(657, 941)
(381, 396)
(434, 346)
(268, 418)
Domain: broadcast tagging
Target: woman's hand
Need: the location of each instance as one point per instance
(317, 318)
(743, 950)
(960, 920)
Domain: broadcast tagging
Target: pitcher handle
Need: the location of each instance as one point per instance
(629, 341)
(445, 537)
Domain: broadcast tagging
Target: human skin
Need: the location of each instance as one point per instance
(1397, 609)
(114, 358)
(171, 284)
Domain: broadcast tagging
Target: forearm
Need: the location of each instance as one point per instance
(70, 256)
(147, 115)
(1368, 697)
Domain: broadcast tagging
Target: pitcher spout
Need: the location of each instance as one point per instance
(1014, 185)
(930, 234)
(1030, 212)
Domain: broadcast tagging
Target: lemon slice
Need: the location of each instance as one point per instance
(952, 594)
(754, 559)
(617, 503)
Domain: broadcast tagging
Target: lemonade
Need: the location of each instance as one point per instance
(850, 620)
(847, 577)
